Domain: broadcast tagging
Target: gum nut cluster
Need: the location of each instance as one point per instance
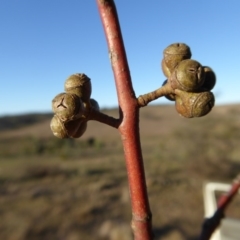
(70, 107)
(190, 82)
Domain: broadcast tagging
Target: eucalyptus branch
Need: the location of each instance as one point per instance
(129, 127)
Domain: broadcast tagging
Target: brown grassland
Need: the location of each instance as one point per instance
(52, 189)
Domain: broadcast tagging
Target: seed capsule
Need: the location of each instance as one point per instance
(80, 130)
(173, 55)
(67, 106)
(165, 69)
(94, 104)
(210, 79)
(66, 129)
(191, 105)
(72, 127)
(58, 128)
(170, 96)
(188, 76)
(79, 84)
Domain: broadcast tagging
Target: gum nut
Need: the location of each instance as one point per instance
(57, 128)
(171, 96)
(79, 84)
(81, 130)
(165, 69)
(191, 105)
(175, 53)
(72, 126)
(67, 106)
(210, 78)
(204, 104)
(94, 104)
(188, 76)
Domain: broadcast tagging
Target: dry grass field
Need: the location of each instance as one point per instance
(52, 189)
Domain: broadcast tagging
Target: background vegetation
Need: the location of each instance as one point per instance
(77, 189)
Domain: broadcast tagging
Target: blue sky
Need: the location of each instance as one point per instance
(43, 42)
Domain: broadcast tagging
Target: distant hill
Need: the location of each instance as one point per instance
(20, 121)
(154, 120)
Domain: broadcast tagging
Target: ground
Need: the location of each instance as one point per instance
(70, 190)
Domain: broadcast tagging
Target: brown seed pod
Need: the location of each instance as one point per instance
(188, 76)
(171, 96)
(191, 105)
(173, 55)
(79, 84)
(64, 129)
(67, 106)
(94, 104)
(210, 79)
(81, 130)
(58, 128)
(165, 69)
(72, 127)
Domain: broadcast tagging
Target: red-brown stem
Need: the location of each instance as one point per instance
(129, 126)
(226, 199)
(211, 224)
